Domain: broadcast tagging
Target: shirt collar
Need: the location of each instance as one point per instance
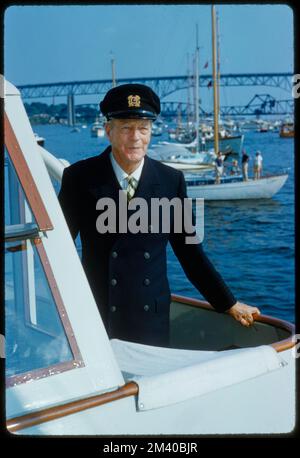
(121, 174)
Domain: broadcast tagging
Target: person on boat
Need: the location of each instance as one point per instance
(245, 165)
(235, 170)
(127, 271)
(219, 167)
(257, 165)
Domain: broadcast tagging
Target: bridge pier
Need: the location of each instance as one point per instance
(71, 110)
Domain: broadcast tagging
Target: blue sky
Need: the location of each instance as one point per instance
(67, 43)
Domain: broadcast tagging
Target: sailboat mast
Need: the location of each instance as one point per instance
(197, 91)
(216, 114)
(218, 61)
(188, 91)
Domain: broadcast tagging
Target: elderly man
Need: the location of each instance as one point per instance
(127, 271)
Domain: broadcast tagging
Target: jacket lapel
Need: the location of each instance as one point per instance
(149, 181)
(104, 182)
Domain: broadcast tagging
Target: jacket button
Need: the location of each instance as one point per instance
(146, 282)
(113, 282)
(114, 254)
(113, 308)
(146, 255)
(146, 308)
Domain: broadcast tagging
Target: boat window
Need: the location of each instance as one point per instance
(17, 210)
(35, 336)
(39, 337)
(24, 175)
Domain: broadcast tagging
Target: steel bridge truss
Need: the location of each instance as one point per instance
(164, 86)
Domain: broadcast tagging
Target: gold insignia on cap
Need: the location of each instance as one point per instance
(134, 101)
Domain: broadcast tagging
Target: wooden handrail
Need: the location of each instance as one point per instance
(279, 346)
(60, 411)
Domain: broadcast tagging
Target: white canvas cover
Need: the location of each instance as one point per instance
(167, 376)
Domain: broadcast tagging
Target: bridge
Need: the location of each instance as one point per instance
(164, 86)
(260, 104)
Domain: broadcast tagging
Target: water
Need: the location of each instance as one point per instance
(251, 243)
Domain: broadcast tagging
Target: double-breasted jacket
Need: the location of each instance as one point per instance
(127, 271)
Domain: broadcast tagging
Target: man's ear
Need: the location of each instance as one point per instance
(107, 128)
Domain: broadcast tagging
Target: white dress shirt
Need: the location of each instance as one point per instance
(122, 175)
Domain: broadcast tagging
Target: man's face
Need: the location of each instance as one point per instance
(129, 139)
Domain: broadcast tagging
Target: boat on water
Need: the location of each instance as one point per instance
(64, 376)
(287, 130)
(181, 158)
(227, 143)
(157, 128)
(40, 140)
(234, 188)
(97, 129)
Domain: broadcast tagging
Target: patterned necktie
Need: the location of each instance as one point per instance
(132, 185)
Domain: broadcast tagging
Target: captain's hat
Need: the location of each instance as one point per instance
(130, 101)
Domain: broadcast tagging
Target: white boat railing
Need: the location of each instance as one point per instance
(54, 165)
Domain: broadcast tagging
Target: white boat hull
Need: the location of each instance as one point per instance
(257, 406)
(234, 144)
(253, 189)
(98, 133)
(185, 166)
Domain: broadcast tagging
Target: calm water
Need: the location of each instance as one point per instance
(251, 243)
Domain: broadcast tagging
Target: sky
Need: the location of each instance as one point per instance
(48, 44)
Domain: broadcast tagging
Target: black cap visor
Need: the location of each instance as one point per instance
(132, 114)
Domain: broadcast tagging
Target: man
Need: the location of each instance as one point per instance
(257, 165)
(219, 167)
(245, 164)
(127, 271)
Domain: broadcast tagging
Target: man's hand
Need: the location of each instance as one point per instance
(243, 313)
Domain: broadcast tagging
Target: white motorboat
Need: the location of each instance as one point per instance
(227, 144)
(63, 374)
(157, 128)
(181, 158)
(40, 140)
(97, 129)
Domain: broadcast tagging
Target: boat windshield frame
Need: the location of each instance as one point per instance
(25, 177)
(35, 232)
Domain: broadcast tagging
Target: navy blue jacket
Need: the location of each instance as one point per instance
(128, 272)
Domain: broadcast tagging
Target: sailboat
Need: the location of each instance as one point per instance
(231, 188)
(97, 128)
(228, 143)
(186, 156)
